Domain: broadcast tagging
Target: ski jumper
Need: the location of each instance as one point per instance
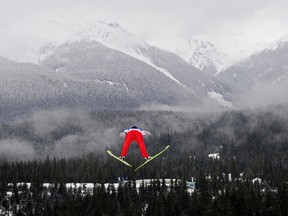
(137, 135)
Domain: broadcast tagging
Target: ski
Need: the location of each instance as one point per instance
(147, 161)
(117, 158)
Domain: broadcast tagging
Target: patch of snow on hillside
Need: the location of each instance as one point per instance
(126, 87)
(258, 180)
(111, 83)
(214, 156)
(166, 73)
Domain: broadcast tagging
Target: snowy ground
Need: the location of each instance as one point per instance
(88, 187)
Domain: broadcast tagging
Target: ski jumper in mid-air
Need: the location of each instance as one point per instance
(134, 134)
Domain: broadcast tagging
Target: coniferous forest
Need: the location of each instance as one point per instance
(238, 161)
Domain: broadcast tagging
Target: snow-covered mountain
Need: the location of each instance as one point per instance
(100, 40)
(201, 54)
(93, 76)
(264, 74)
(113, 36)
(104, 66)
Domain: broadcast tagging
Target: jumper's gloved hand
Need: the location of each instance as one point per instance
(146, 133)
(122, 134)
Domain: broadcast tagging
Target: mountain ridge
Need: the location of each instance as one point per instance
(200, 54)
(261, 76)
(107, 66)
(115, 37)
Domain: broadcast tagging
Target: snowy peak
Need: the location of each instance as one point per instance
(201, 54)
(111, 35)
(102, 32)
(204, 55)
(282, 42)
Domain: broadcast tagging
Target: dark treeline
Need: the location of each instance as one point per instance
(234, 198)
(211, 197)
(250, 145)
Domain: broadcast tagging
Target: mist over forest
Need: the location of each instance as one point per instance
(73, 133)
(67, 133)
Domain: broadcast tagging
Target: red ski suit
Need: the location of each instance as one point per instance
(134, 135)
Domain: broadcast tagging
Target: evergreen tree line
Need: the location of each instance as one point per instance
(211, 197)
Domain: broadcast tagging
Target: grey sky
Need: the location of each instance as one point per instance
(224, 22)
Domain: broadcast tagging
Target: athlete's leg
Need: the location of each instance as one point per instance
(140, 140)
(128, 140)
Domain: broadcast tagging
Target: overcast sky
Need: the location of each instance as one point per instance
(229, 24)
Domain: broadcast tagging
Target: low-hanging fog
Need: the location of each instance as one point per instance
(72, 133)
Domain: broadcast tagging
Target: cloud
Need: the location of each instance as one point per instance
(67, 132)
(89, 142)
(74, 132)
(264, 95)
(14, 149)
(149, 19)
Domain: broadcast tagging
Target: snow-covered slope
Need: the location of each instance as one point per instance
(113, 36)
(201, 54)
(206, 57)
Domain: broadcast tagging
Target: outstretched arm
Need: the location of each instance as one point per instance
(146, 133)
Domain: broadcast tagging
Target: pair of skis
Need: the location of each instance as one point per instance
(143, 164)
